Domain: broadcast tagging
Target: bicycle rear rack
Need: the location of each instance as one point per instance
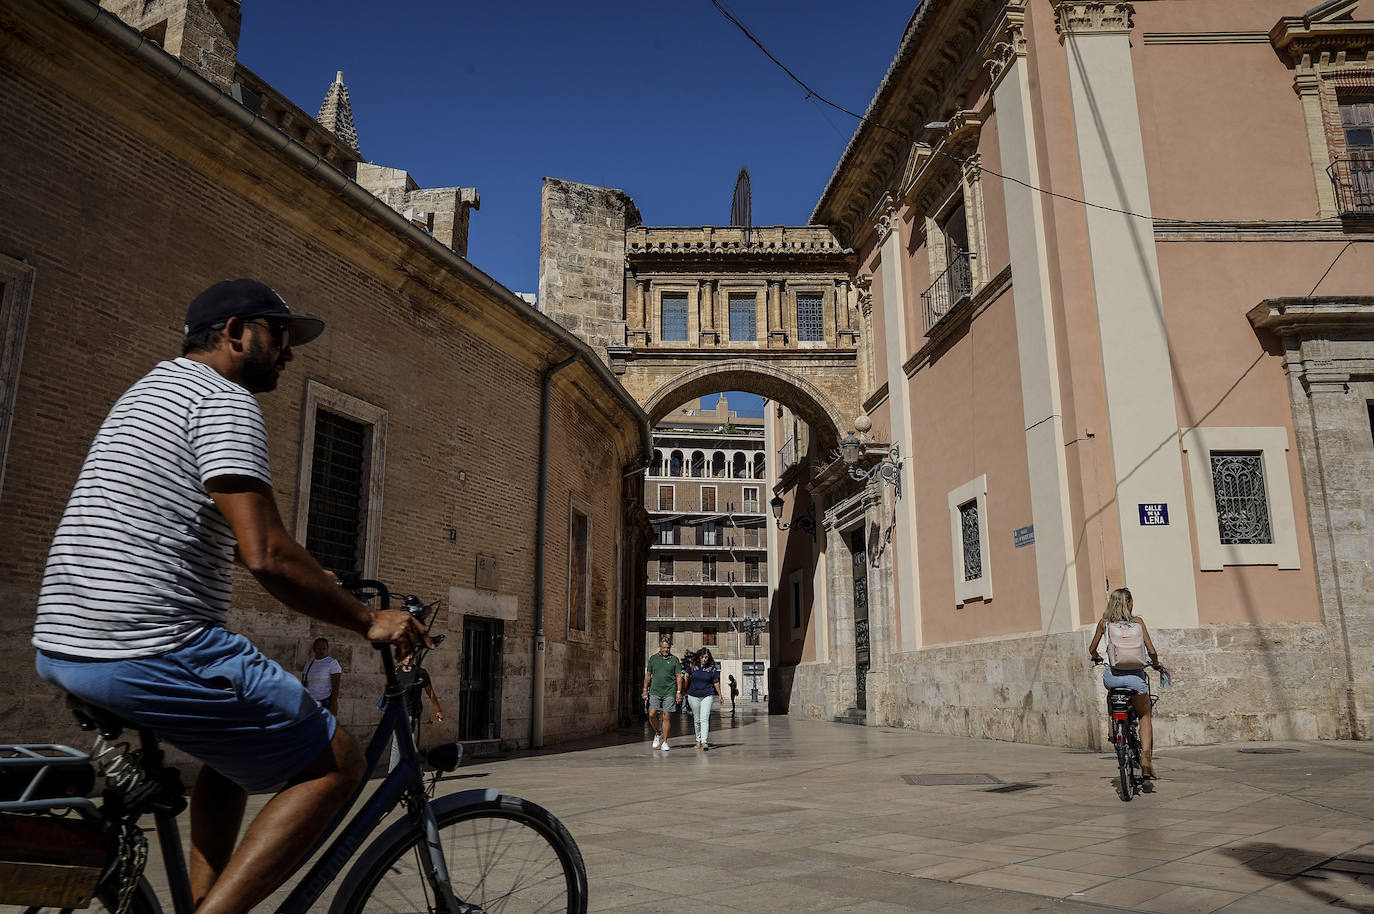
(49, 859)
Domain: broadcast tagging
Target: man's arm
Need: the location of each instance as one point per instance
(434, 700)
(334, 693)
(289, 573)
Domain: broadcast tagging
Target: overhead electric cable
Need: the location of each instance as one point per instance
(812, 94)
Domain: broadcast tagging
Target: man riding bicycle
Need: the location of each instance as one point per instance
(132, 608)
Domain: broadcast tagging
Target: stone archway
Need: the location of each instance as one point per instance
(826, 419)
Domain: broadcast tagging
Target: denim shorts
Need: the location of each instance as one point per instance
(217, 699)
(662, 703)
(1126, 679)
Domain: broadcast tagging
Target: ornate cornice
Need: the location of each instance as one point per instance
(1005, 43)
(887, 218)
(863, 283)
(1081, 17)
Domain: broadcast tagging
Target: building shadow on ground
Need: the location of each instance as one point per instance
(1328, 880)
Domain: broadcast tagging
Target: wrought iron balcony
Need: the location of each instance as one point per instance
(949, 288)
(1353, 179)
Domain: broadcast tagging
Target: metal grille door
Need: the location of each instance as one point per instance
(861, 655)
(479, 699)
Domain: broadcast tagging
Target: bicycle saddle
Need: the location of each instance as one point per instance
(93, 717)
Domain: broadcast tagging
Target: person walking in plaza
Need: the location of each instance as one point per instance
(703, 688)
(1119, 619)
(663, 689)
(322, 675)
(132, 608)
(414, 680)
(734, 692)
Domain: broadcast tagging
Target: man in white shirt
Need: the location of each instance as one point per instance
(321, 677)
(135, 596)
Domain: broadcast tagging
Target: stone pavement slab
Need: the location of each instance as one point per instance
(799, 816)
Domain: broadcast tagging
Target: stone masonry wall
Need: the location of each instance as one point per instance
(582, 259)
(1231, 683)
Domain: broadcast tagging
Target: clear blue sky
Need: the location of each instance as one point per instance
(665, 101)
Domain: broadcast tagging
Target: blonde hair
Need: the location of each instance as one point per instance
(1118, 606)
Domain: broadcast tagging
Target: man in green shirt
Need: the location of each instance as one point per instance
(663, 689)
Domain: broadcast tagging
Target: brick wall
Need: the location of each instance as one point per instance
(128, 198)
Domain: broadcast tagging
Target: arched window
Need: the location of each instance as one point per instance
(698, 464)
(675, 464)
(758, 466)
(718, 465)
(740, 470)
(656, 468)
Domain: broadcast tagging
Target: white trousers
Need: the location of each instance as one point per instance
(701, 714)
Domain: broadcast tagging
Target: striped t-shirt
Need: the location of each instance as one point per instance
(142, 558)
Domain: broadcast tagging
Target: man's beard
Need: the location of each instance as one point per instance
(258, 372)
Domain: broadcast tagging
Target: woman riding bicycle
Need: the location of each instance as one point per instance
(1119, 611)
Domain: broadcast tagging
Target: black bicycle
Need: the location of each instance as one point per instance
(471, 852)
(1125, 737)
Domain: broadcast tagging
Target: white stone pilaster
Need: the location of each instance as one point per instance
(1137, 366)
(908, 603)
(1035, 339)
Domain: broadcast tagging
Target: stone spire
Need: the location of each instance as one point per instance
(336, 113)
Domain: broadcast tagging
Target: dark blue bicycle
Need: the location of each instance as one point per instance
(463, 853)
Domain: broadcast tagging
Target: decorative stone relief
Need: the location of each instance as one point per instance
(887, 221)
(1077, 17)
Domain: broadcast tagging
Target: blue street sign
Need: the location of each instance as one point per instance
(1023, 536)
(1154, 515)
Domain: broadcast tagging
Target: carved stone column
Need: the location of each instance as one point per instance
(863, 284)
(777, 332)
(637, 334)
(710, 336)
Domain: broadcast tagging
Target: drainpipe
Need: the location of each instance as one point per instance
(540, 523)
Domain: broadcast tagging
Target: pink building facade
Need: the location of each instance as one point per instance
(1117, 321)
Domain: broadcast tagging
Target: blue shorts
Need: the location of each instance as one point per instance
(1126, 679)
(218, 699)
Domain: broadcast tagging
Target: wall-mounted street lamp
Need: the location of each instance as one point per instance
(889, 469)
(806, 524)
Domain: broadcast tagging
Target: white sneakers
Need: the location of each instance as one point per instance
(658, 740)
(665, 747)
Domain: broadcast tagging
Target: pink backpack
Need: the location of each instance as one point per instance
(1126, 646)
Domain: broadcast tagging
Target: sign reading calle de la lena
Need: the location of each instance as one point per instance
(1154, 515)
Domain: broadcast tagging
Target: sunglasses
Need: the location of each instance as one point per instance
(281, 333)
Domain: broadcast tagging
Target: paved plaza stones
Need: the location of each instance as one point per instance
(801, 816)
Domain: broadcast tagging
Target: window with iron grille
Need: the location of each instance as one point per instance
(338, 470)
(674, 316)
(1242, 502)
(972, 543)
(579, 589)
(708, 568)
(810, 324)
(665, 568)
(743, 312)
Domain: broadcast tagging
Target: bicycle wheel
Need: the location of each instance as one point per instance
(1123, 761)
(504, 855)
